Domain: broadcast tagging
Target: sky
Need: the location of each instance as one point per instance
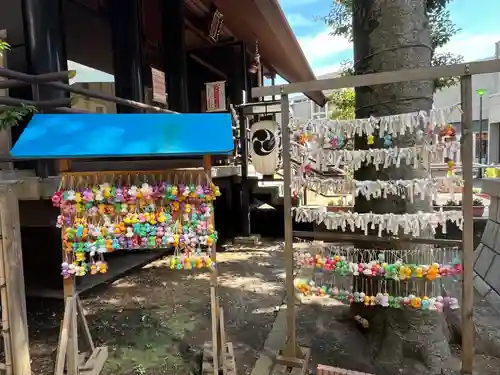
(325, 52)
(477, 19)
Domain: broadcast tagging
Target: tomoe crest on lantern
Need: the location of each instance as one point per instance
(264, 147)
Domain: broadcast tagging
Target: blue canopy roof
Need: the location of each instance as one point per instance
(70, 136)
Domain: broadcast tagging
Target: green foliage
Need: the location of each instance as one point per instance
(339, 19)
(11, 116)
(344, 104)
(4, 46)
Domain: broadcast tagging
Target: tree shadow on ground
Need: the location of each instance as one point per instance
(155, 320)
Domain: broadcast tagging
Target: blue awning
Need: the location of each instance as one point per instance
(71, 136)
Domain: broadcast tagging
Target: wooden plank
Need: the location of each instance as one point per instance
(222, 333)
(63, 337)
(222, 328)
(403, 75)
(214, 298)
(215, 330)
(85, 327)
(207, 361)
(348, 237)
(468, 228)
(5, 315)
(300, 369)
(98, 362)
(14, 278)
(329, 370)
(69, 290)
(291, 348)
(229, 359)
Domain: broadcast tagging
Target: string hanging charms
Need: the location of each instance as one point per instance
(132, 211)
(413, 224)
(429, 123)
(386, 278)
(378, 276)
(412, 189)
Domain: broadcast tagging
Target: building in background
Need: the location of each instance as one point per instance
(304, 108)
(87, 104)
(486, 133)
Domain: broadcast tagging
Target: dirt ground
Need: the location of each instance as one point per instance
(156, 320)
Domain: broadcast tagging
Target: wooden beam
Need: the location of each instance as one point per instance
(467, 307)
(7, 73)
(292, 349)
(46, 104)
(47, 77)
(62, 346)
(198, 25)
(14, 280)
(358, 237)
(84, 326)
(404, 75)
(210, 67)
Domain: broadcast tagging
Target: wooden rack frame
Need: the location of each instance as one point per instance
(68, 341)
(216, 354)
(292, 355)
(14, 318)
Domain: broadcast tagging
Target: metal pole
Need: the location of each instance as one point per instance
(468, 228)
(480, 169)
(291, 350)
(245, 194)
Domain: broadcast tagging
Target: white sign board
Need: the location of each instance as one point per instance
(216, 96)
(159, 90)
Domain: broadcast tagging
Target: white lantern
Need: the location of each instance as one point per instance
(264, 147)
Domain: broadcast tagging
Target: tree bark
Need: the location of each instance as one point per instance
(392, 35)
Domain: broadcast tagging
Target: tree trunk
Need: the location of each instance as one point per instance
(392, 35)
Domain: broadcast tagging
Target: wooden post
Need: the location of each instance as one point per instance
(64, 337)
(468, 228)
(214, 298)
(14, 280)
(5, 315)
(291, 349)
(69, 290)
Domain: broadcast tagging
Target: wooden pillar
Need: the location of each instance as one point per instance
(69, 289)
(126, 31)
(174, 55)
(14, 280)
(468, 229)
(214, 297)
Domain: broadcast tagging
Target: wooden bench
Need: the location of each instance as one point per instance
(328, 370)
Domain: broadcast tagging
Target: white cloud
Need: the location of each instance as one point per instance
(298, 20)
(322, 45)
(326, 69)
(319, 47)
(472, 47)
